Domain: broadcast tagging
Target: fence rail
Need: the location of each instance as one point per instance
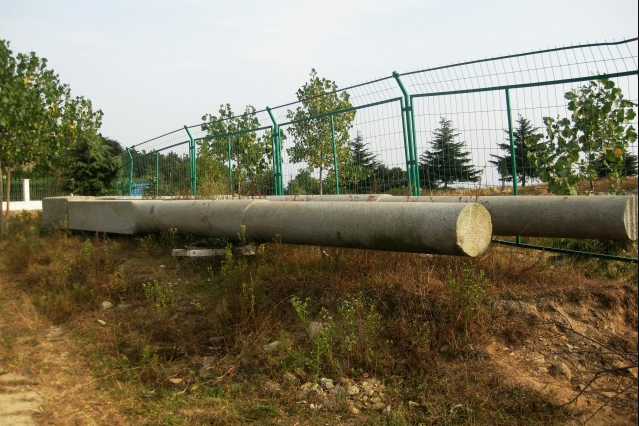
(383, 136)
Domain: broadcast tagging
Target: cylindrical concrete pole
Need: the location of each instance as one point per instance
(441, 228)
(596, 217)
(453, 229)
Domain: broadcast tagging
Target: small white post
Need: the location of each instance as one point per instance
(26, 195)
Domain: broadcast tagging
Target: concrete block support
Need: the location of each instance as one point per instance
(437, 228)
(596, 217)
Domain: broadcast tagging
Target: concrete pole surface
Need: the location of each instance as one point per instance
(597, 217)
(436, 228)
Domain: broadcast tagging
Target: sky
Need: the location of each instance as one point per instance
(153, 66)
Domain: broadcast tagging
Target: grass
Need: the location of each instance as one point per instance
(185, 340)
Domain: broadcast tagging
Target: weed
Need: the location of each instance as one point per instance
(161, 295)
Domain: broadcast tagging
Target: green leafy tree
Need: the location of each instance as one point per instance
(447, 162)
(629, 166)
(526, 139)
(596, 136)
(39, 119)
(250, 153)
(312, 136)
(303, 184)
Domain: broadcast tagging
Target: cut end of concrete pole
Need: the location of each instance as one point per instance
(474, 230)
(630, 218)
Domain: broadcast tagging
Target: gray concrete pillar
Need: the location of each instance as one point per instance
(441, 228)
(596, 217)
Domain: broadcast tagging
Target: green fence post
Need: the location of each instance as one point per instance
(277, 155)
(334, 156)
(228, 153)
(192, 162)
(157, 173)
(512, 148)
(409, 173)
(130, 171)
(409, 137)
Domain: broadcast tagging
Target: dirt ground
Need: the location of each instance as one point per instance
(572, 345)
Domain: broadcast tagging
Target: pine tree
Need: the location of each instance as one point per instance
(361, 171)
(447, 162)
(526, 140)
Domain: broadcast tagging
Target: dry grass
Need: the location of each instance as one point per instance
(186, 345)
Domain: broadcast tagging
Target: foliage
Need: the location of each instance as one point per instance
(40, 122)
(94, 168)
(527, 141)
(360, 174)
(596, 136)
(629, 167)
(303, 184)
(312, 136)
(447, 162)
(250, 153)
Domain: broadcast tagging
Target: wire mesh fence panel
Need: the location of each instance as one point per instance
(457, 140)
(494, 126)
(41, 188)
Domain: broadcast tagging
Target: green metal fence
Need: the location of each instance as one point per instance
(383, 138)
(38, 189)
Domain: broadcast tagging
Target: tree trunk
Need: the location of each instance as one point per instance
(320, 180)
(5, 224)
(1, 199)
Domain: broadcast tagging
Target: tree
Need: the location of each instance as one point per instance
(94, 167)
(250, 153)
(39, 120)
(526, 140)
(596, 136)
(303, 184)
(447, 162)
(629, 167)
(312, 136)
(361, 171)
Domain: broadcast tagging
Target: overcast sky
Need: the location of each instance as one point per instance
(154, 65)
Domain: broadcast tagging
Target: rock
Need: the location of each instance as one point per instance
(559, 369)
(247, 250)
(387, 410)
(353, 409)
(375, 400)
(352, 390)
(102, 322)
(444, 349)
(542, 370)
(176, 381)
(122, 306)
(379, 406)
(327, 383)
(413, 404)
(272, 347)
(315, 389)
(329, 405)
(106, 305)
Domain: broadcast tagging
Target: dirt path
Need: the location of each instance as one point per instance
(43, 380)
(18, 400)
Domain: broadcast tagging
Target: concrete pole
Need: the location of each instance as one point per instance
(597, 217)
(441, 228)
